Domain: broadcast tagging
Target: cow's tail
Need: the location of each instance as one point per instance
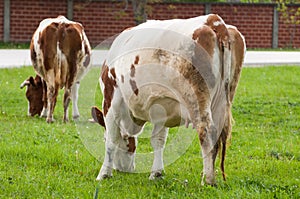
(59, 56)
(225, 135)
(59, 52)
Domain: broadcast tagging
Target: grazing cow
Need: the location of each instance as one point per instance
(170, 73)
(60, 54)
(34, 95)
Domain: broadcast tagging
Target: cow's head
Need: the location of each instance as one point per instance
(34, 94)
(124, 159)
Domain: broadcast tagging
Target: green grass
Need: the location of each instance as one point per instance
(40, 160)
(12, 45)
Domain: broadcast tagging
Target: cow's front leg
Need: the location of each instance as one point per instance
(158, 140)
(209, 144)
(74, 93)
(112, 138)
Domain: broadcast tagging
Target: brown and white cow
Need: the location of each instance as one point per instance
(60, 54)
(170, 73)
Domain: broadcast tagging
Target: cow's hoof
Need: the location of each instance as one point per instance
(103, 176)
(44, 113)
(75, 117)
(50, 120)
(156, 175)
(104, 173)
(208, 181)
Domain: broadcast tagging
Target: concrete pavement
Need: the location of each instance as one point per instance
(267, 58)
(18, 58)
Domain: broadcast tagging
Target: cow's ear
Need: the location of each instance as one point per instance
(38, 79)
(25, 83)
(98, 116)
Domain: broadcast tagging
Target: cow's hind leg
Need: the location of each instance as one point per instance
(66, 103)
(111, 141)
(209, 144)
(74, 93)
(52, 93)
(158, 140)
(45, 99)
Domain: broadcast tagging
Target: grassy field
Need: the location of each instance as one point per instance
(40, 160)
(11, 45)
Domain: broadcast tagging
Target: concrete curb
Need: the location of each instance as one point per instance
(18, 58)
(271, 58)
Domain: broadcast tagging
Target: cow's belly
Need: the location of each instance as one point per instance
(158, 105)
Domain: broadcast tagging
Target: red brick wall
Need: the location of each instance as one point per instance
(103, 19)
(26, 15)
(1, 19)
(175, 10)
(289, 35)
(254, 21)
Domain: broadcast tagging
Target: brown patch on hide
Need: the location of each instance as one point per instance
(137, 58)
(70, 43)
(122, 78)
(192, 73)
(206, 37)
(68, 36)
(216, 23)
(237, 58)
(113, 73)
(131, 145)
(161, 55)
(109, 85)
(33, 54)
(48, 44)
(132, 70)
(134, 87)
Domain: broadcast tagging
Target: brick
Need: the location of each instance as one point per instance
(102, 19)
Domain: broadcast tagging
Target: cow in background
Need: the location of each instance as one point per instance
(34, 95)
(60, 54)
(170, 73)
